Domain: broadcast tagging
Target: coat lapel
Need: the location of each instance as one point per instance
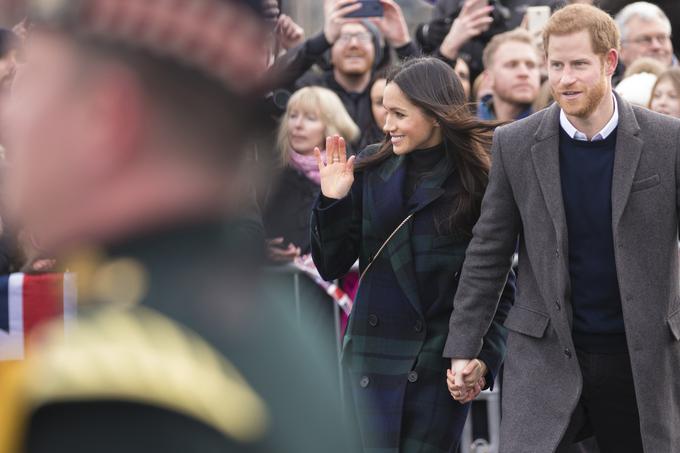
(626, 159)
(390, 210)
(546, 158)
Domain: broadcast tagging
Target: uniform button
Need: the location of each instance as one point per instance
(364, 382)
(557, 305)
(372, 320)
(567, 352)
(557, 253)
(413, 376)
(456, 275)
(418, 326)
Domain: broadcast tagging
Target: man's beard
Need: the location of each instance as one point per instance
(593, 97)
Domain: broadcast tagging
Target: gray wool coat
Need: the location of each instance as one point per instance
(543, 381)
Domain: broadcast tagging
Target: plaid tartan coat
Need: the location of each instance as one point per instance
(393, 345)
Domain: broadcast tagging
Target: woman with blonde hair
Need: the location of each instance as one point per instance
(666, 93)
(312, 114)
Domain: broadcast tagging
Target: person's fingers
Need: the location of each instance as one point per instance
(465, 9)
(470, 368)
(345, 10)
(389, 6)
(335, 155)
(342, 150)
(343, 3)
(319, 161)
(275, 241)
(330, 150)
(481, 12)
(482, 22)
(350, 164)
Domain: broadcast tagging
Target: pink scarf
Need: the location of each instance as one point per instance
(307, 165)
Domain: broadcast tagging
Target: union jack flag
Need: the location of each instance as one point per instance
(26, 302)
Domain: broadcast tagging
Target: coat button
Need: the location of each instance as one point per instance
(418, 326)
(372, 320)
(557, 253)
(567, 352)
(413, 376)
(456, 275)
(364, 382)
(557, 305)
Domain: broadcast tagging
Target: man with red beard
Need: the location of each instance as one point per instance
(589, 189)
(512, 64)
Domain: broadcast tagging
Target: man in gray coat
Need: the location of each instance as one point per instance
(589, 188)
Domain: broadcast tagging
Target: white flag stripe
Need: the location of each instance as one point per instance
(12, 344)
(70, 300)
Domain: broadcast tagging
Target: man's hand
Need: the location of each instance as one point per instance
(335, 12)
(470, 23)
(277, 253)
(392, 25)
(465, 379)
(288, 33)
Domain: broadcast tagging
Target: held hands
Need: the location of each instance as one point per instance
(465, 379)
(472, 21)
(337, 175)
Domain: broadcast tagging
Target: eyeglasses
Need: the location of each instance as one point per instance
(648, 40)
(363, 38)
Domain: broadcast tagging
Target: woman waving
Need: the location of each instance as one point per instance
(405, 208)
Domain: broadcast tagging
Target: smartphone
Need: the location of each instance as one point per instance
(537, 17)
(369, 8)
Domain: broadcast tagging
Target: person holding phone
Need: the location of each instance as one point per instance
(406, 211)
(355, 50)
(480, 20)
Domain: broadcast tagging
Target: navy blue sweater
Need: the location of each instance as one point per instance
(586, 170)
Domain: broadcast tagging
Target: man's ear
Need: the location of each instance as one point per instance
(611, 61)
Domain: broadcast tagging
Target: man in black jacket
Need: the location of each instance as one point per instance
(354, 50)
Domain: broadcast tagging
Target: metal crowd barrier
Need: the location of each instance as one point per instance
(296, 275)
(493, 415)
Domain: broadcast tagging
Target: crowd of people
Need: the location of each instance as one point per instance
(492, 202)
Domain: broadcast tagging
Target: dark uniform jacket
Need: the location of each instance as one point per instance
(203, 278)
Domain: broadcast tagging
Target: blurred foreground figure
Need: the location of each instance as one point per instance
(125, 133)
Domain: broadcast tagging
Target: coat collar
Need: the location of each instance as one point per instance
(545, 155)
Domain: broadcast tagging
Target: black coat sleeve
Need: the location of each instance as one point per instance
(297, 61)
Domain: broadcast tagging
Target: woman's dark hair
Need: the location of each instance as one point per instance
(433, 86)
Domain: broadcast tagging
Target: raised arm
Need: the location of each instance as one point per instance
(336, 216)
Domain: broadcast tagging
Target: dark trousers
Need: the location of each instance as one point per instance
(607, 408)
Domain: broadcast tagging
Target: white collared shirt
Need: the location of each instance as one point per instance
(604, 133)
